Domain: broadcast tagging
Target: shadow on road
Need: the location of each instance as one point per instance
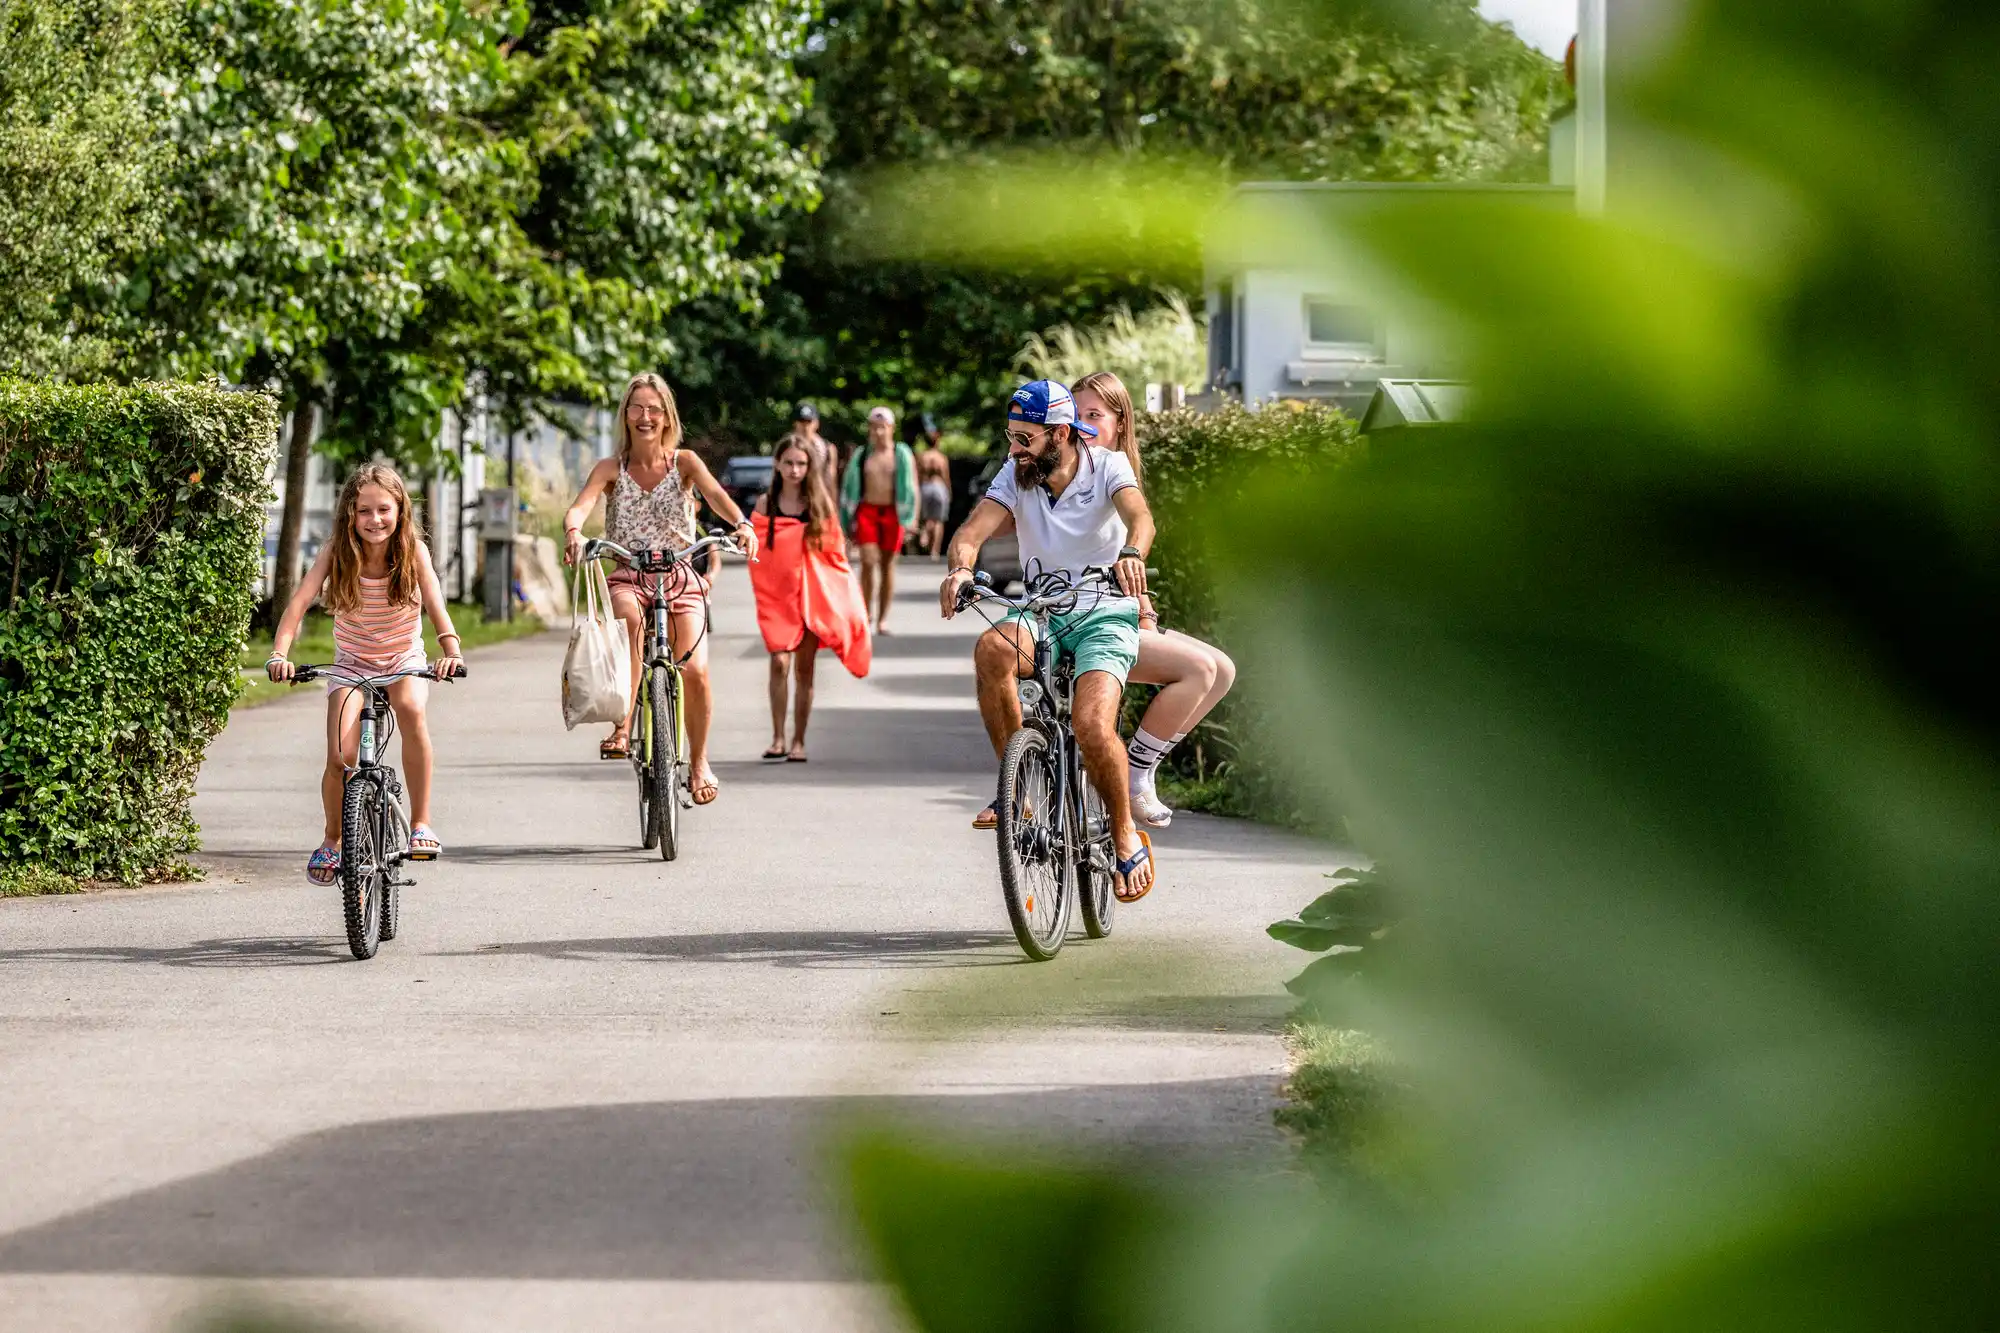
(202, 953)
(911, 647)
(707, 1190)
(802, 949)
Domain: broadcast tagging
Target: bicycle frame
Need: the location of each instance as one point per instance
(1046, 706)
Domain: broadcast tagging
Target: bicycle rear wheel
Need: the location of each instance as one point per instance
(363, 870)
(1036, 871)
(1095, 889)
(666, 763)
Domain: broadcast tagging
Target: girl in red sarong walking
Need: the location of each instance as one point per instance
(806, 594)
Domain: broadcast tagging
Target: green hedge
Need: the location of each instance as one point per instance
(1193, 460)
(131, 526)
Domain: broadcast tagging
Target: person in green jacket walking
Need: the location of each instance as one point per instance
(878, 504)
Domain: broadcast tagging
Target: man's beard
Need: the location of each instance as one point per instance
(1033, 470)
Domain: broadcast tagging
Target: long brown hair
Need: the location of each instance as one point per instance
(670, 430)
(819, 505)
(342, 593)
(1112, 390)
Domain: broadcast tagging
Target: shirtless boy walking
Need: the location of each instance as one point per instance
(878, 503)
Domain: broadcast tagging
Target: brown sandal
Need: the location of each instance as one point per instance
(704, 793)
(612, 748)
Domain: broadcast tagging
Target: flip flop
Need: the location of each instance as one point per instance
(424, 844)
(704, 793)
(610, 749)
(776, 752)
(323, 867)
(988, 819)
(795, 759)
(1125, 868)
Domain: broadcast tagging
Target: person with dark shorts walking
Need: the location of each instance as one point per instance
(933, 490)
(878, 504)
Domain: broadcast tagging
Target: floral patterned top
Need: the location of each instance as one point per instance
(657, 520)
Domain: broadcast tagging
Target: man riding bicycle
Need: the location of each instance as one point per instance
(1075, 509)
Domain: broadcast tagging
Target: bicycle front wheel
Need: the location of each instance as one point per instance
(1036, 869)
(666, 766)
(641, 742)
(395, 834)
(364, 869)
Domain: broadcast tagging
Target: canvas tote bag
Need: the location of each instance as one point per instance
(597, 669)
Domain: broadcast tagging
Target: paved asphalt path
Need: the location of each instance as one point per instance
(586, 1089)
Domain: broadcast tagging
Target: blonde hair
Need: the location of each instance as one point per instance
(1112, 390)
(342, 594)
(670, 433)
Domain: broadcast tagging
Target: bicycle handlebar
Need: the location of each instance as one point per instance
(976, 591)
(599, 547)
(305, 672)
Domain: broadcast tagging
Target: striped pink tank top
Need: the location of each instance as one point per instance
(378, 636)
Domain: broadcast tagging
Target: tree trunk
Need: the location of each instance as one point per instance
(286, 573)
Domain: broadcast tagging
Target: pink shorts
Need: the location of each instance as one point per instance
(687, 588)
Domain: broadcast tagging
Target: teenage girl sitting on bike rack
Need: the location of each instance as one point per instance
(646, 486)
(376, 579)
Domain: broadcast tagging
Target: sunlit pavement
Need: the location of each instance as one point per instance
(585, 1088)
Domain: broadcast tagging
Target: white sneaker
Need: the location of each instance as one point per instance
(1151, 811)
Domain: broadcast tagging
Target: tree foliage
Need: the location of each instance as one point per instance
(1258, 89)
(79, 174)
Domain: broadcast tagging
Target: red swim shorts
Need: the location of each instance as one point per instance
(878, 525)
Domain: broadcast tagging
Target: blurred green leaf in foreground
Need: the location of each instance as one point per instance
(1668, 687)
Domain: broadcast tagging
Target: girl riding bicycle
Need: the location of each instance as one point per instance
(376, 579)
(646, 486)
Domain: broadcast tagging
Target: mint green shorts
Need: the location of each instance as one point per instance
(1104, 638)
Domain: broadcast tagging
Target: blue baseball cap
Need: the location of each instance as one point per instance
(1046, 403)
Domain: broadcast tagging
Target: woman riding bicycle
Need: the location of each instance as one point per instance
(646, 487)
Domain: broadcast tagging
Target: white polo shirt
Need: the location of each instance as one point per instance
(1079, 529)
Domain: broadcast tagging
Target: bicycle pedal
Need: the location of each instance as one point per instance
(422, 856)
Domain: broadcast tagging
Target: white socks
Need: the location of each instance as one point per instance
(1143, 757)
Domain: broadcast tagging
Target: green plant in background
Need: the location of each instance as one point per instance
(1195, 463)
(1351, 924)
(1665, 688)
(131, 521)
(1165, 344)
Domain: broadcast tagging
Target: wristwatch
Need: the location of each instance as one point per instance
(1130, 553)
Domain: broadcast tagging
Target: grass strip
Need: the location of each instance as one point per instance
(1349, 1106)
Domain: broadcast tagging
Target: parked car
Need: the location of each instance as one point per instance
(746, 477)
(1000, 557)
